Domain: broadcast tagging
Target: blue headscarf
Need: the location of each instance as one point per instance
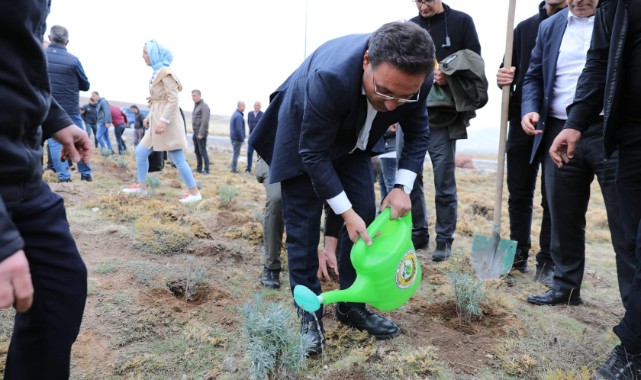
(159, 55)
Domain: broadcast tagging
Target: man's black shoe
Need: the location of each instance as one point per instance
(545, 274)
(64, 180)
(443, 251)
(620, 365)
(310, 329)
(270, 279)
(363, 319)
(86, 177)
(520, 261)
(420, 241)
(556, 297)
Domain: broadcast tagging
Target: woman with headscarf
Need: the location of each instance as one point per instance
(166, 126)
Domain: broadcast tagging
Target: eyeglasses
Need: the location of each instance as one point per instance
(409, 99)
(424, 2)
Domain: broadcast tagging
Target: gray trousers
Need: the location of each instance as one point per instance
(234, 159)
(273, 224)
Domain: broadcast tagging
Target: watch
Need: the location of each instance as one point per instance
(406, 189)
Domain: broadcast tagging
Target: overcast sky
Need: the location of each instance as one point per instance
(243, 50)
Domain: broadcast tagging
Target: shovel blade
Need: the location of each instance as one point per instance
(492, 257)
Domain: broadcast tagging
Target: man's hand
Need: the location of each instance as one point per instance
(505, 76)
(160, 127)
(529, 122)
(75, 144)
(15, 282)
(355, 226)
(327, 259)
(200, 137)
(440, 78)
(399, 202)
(145, 123)
(564, 145)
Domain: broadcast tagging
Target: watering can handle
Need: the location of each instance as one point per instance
(379, 221)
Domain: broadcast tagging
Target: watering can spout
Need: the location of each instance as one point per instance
(387, 272)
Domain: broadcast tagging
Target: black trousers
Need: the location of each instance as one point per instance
(42, 337)
(302, 214)
(200, 148)
(568, 193)
(521, 184)
(629, 191)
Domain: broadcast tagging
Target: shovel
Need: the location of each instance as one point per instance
(492, 257)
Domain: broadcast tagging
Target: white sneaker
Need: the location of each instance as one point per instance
(189, 198)
(135, 189)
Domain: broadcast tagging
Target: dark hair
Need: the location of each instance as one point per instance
(59, 34)
(404, 45)
(134, 107)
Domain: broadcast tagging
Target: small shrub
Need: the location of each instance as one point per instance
(105, 152)
(122, 162)
(106, 268)
(152, 181)
(276, 349)
(226, 194)
(468, 295)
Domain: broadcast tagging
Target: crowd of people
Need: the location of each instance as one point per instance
(404, 91)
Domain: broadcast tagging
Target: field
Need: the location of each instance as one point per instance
(167, 282)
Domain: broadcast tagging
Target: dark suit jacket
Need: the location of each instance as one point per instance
(252, 120)
(315, 117)
(538, 85)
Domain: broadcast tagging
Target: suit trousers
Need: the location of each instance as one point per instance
(629, 191)
(442, 152)
(521, 183)
(568, 193)
(302, 213)
(41, 343)
(200, 148)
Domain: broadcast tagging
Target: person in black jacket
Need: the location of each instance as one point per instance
(611, 81)
(41, 272)
(521, 174)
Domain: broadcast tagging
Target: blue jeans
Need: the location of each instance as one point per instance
(176, 156)
(62, 167)
(234, 159)
(119, 130)
(103, 137)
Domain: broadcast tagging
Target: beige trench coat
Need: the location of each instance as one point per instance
(163, 103)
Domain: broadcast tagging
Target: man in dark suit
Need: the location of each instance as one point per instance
(252, 120)
(316, 136)
(549, 86)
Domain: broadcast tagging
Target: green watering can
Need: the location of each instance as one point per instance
(387, 272)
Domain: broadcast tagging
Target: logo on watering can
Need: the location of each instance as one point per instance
(406, 270)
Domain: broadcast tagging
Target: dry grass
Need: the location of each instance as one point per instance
(138, 323)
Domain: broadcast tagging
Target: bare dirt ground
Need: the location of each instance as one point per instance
(175, 313)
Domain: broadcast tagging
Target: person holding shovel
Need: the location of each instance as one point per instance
(317, 135)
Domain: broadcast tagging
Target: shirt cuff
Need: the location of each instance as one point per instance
(339, 203)
(165, 120)
(405, 177)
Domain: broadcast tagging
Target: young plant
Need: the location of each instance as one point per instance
(276, 348)
(226, 194)
(468, 295)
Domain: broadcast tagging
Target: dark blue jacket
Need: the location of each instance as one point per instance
(67, 77)
(315, 117)
(538, 85)
(237, 127)
(90, 116)
(27, 110)
(252, 120)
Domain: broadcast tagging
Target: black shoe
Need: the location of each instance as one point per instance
(248, 171)
(64, 180)
(86, 177)
(520, 261)
(199, 171)
(310, 328)
(443, 251)
(556, 297)
(234, 171)
(620, 365)
(545, 274)
(363, 319)
(420, 240)
(270, 279)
